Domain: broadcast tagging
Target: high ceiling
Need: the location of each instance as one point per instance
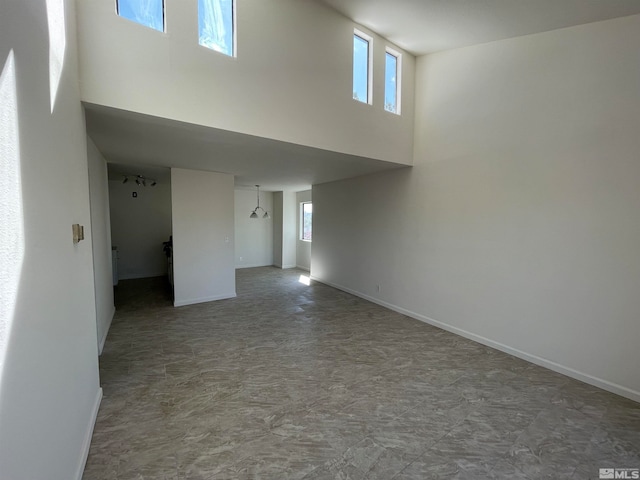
(428, 26)
(135, 144)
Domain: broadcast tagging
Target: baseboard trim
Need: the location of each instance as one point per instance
(106, 332)
(193, 301)
(86, 444)
(286, 267)
(135, 276)
(308, 270)
(543, 362)
(253, 265)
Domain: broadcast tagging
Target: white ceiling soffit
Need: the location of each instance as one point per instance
(428, 26)
(137, 140)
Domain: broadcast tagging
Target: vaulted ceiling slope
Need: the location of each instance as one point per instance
(428, 26)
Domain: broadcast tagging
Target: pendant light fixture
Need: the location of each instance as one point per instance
(254, 214)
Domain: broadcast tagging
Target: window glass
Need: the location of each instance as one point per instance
(391, 83)
(307, 213)
(216, 25)
(361, 69)
(149, 13)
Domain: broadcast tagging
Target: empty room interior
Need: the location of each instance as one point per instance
(319, 239)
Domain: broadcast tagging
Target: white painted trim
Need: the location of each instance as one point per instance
(308, 270)
(284, 267)
(253, 265)
(86, 444)
(106, 332)
(134, 276)
(543, 362)
(193, 301)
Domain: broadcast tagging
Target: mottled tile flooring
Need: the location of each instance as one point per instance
(289, 381)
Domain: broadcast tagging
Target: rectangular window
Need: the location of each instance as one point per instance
(392, 79)
(362, 67)
(149, 13)
(306, 214)
(217, 25)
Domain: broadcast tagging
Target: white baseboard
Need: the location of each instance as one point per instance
(308, 270)
(253, 265)
(543, 362)
(284, 267)
(192, 301)
(86, 444)
(106, 332)
(134, 276)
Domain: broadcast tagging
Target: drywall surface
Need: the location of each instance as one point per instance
(284, 229)
(49, 390)
(139, 226)
(303, 247)
(202, 207)
(518, 224)
(291, 79)
(276, 215)
(289, 229)
(253, 236)
(101, 240)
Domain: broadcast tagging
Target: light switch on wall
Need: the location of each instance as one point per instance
(78, 232)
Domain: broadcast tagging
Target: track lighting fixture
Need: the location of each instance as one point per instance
(254, 214)
(140, 180)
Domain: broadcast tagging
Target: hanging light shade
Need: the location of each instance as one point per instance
(254, 214)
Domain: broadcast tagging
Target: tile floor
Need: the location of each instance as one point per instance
(289, 381)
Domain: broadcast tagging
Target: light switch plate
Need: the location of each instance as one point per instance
(78, 232)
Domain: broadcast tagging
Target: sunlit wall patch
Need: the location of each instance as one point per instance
(12, 231)
(57, 46)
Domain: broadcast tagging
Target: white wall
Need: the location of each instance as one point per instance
(303, 248)
(277, 228)
(289, 229)
(101, 240)
(284, 229)
(49, 391)
(202, 206)
(139, 226)
(518, 225)
(294, 60)
(253, 236)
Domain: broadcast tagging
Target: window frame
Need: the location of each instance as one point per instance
(234, 34)
(398, 56)
(301, 232)
(164, 17)
(369, 39)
